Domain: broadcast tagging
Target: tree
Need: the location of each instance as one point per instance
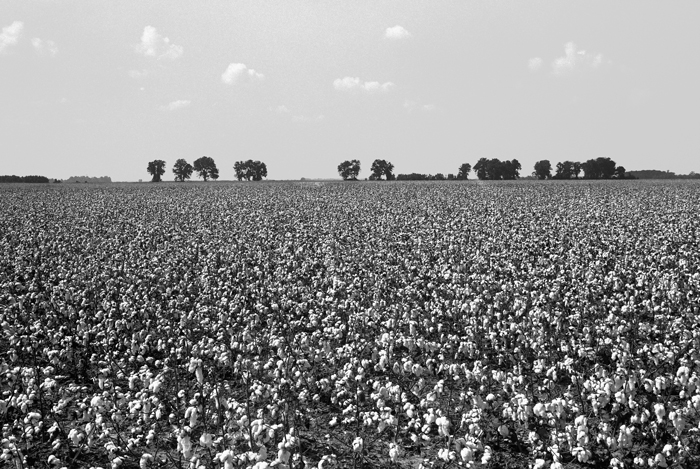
(349, 170)
(607, 167)
(576, 169)
(543, 169)
(620, 172)
(511, 169)
(464, 171)
(382, 168)
(564, 170)
(601, 167)
(182, 170)
(249, 169)
(241, 170)
(480, 168)
(206, 168)
(156, 168)
(258, 169)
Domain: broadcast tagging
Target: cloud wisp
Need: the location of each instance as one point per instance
(396, 32)
(574, 58)
(45, 47)
(354, 83)
(10, 35)
(154, 45)
(412, 106)
(534, 64)
(175, 105)
(236, 72)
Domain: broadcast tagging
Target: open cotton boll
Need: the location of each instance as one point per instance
(146, 460)
(206, 440)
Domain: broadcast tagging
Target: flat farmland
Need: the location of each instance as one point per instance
(351, 325)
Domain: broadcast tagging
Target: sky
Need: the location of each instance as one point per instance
(101, 88)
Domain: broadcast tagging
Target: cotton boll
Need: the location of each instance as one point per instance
(146, 460)
(660, 460)
(660, 411)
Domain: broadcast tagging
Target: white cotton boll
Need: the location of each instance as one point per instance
(486, 457)
(206, 440)
(146, 460)
(200, 374)
(539, 410)
(660, 460)
(539, 464)
(394, 452)
(660, 411)
(503, 430)
(467, 454)
(358, 445)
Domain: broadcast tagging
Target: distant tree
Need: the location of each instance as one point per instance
(258, 169)
(607, 167)
(565, 169)
(620, 172)
(481, 168)
(576, 169)
(600, 168)
(382, 168)
(543, 169)
(241, 170)
(511, 169)
(206, 168)
(182, 170)
(249, 169)
(349, 170)
(439, 177)
(590, 169)
(464, 171)
(156, 168)
(450, 177)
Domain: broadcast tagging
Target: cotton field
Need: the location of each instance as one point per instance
(350, 325)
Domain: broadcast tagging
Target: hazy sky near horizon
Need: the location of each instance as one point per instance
(101, 88)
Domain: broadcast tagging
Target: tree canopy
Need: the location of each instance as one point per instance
(464, 171)
(206, 168)
(156, 168)
(349, 170)
(382, 168)
(182, 170)
(496, 169)
(249, 169)
(543, 169)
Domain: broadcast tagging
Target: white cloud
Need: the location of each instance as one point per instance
(534, 64)
(236, 72)
(573, 58)
(10, 34)
(138, 73)
(175, 105)
(45, 47)
(282, 109)
(351, 83)
(154, 45)
(396, 32)
(411, 106)
(317, 118)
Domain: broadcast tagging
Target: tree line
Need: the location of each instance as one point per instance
(495, 169)
(29, 179)
(206, 168)
(599, 168)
